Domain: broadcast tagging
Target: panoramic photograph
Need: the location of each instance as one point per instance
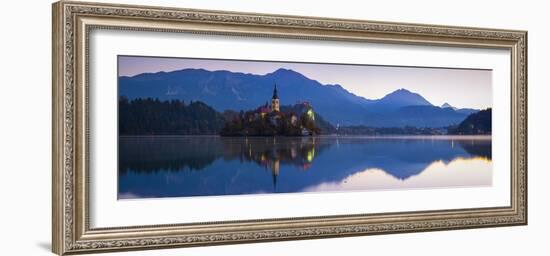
(213, 127)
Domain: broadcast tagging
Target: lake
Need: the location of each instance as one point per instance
(181, 166)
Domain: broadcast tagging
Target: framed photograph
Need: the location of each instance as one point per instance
(179, 127)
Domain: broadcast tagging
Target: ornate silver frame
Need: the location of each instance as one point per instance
(72, 22)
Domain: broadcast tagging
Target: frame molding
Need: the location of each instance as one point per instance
(72, 22)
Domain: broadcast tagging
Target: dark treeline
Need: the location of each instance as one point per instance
(154, 117)
(475, 124)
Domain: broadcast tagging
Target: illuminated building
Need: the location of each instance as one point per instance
(275, 100)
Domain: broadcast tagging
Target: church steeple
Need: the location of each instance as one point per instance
(275, 100)
(275, 96)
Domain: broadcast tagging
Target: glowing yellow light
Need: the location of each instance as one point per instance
(310, 155)
(310, 114)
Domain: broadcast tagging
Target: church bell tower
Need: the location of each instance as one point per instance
(275, 100)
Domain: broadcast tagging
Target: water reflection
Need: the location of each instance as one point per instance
(202, 165)
(457, 173)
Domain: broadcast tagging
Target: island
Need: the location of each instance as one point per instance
(272, 120)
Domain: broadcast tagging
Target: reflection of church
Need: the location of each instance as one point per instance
(273, 153)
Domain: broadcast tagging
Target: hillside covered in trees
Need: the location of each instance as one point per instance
(154, 117)
(475, 124)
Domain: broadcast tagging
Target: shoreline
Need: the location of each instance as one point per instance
(431, 137)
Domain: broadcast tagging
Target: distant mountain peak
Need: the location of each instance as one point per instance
(285, 71)
(402, 90)
(447, 105)
(399, 93)
(190, 70)
(287, 76)
(404, 97)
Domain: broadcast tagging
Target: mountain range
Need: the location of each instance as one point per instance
(225, 90)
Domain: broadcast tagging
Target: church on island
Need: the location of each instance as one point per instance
(273, 120)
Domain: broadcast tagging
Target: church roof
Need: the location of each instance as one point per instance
(263, 109)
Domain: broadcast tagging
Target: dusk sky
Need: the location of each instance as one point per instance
(462, 88)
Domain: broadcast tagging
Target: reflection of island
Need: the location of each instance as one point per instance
(272, 153)
(210, 165)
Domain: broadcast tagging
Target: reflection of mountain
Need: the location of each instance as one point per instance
(265, 165)
(475, 171)
(225, 90)
(400, 158)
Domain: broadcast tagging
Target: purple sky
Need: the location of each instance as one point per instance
(459, 87)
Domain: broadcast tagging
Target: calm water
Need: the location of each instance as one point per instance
(201, 165)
